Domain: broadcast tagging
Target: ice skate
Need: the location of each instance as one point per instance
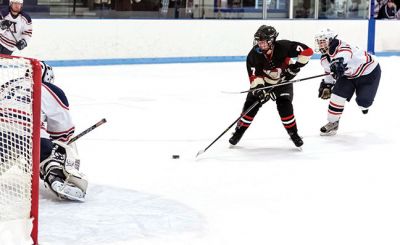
(237, 135)
(330, 129)
(68, 191)
(296, 139)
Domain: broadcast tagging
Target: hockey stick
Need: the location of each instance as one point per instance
(12, 33)
(279, 84)
(102, 121)
(230, 126)
(75, 166)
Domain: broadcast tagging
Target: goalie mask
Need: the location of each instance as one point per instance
(264, 38)
(323, 39)
(47, 73)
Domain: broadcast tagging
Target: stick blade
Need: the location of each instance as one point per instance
(200, 152)
(230, 92)
(101, 121)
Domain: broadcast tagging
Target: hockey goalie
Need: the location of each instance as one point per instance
(59, 161)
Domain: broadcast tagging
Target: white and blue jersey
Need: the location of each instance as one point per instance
(56, 120)
(357, 62)
(21, 28)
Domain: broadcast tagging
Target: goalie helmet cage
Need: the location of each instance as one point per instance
(20, 120)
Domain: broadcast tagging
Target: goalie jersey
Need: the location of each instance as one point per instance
(56, 122)
(357, 62)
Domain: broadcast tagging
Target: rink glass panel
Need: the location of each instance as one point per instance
(197, 9)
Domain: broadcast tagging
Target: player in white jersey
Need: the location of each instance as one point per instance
(59, 161)
(15, 28)
(351, 70)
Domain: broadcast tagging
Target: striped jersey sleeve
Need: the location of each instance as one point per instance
(56, 119)
(358, 62)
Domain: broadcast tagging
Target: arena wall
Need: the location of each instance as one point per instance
(72, 39)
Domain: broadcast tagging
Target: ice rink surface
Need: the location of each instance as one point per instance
(338, 190)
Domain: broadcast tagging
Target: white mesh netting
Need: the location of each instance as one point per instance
(16, 127)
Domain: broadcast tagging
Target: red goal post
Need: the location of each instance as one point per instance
(20, 120)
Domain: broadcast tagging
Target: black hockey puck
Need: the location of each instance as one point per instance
(175, 156)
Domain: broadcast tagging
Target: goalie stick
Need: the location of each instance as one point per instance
(278, 84)
(102, 121)
(75, 167)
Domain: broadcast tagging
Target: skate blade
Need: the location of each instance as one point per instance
(65, 194)
(331, 133)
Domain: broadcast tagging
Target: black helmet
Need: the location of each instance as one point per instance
(267, 33)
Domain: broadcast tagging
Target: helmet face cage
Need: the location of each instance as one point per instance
(265, 33)
(47, 73)
(323, 40)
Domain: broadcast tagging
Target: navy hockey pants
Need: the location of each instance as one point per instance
(365, 87)
(4, 50)
(46, 146)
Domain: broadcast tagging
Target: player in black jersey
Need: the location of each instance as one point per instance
(270, 62)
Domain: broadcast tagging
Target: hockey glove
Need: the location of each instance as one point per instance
(256, 85)
(338, 68)
(325, 90)
(261, 94)
(5, 24)
(21, 44)
(290, 72)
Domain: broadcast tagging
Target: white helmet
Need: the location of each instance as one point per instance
(16, 1)
(47, 72)
(323, 39)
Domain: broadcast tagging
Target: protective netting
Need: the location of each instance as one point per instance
(16, 127)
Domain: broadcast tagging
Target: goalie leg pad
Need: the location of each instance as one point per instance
(60, 172)
(64, 186)
(77, 179)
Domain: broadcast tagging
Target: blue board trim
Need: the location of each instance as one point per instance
(171, 60)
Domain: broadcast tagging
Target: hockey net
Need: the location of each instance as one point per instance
(20, 83)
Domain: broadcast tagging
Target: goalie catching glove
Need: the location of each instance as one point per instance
(60, 172)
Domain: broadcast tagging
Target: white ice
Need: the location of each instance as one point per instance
(339, 190)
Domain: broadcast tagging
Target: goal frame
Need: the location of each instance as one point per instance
(36, 117)
(37, 85)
